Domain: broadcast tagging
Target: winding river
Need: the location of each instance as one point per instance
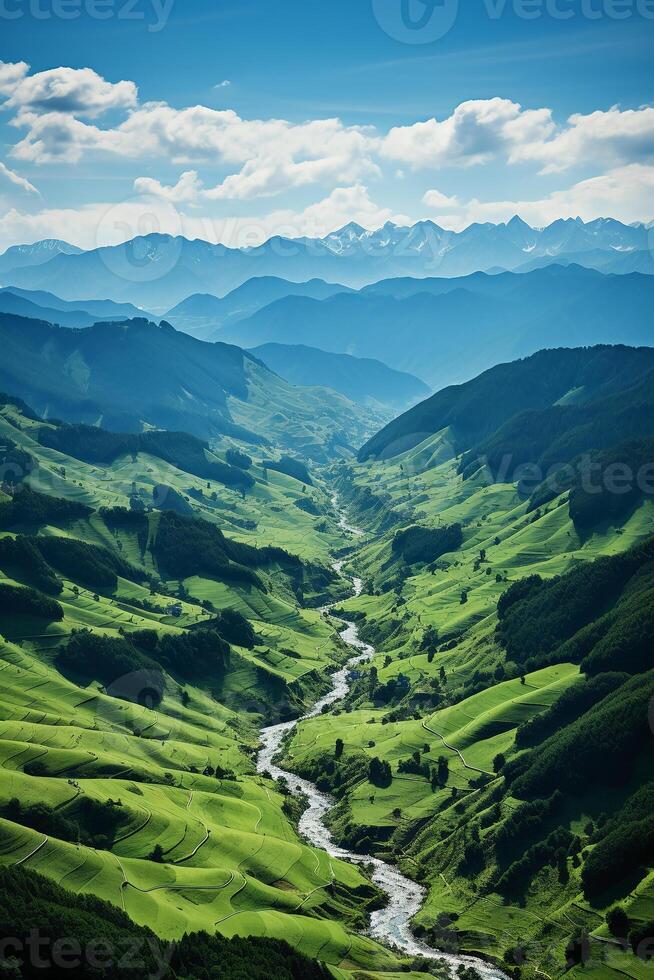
(390, 925)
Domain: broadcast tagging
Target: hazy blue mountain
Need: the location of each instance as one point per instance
(614, 262)
(446, 332)
(135, 373)
(363, 380)
(203, 315)
(25, 256)
(474, 411)
(157, 271)
(41, 305)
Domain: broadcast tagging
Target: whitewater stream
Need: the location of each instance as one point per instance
(390, 925)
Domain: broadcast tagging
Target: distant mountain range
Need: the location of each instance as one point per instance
(28, 256)
(446, 331)
(41, 305)
(157, 272)
(363, 380)
(135, 374)
(203, 315)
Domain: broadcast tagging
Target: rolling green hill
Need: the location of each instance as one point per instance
(135, 374)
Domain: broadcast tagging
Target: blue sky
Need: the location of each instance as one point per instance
(232, 121)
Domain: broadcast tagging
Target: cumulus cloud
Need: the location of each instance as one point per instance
(188, 188)
(476, 132)
(605, 138)
(436, 199)
(79, 91)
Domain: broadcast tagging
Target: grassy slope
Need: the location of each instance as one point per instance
(427, 833)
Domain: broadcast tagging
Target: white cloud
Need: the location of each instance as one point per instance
(13, 180)
(476, 132)
(436, 199)
(625, 193)
(224, 84)
(187, 188)
(603, 138)
(78, 91)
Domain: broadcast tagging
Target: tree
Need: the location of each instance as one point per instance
(379, 773)
(157, 854)
(618, 921)
(338, 750)
(443, 770)
(442, 675)
(499, 762)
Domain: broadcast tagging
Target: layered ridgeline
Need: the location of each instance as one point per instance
(498, 746)
(157, 606)
(40, 305)
(131, 374)
(204, 315)
(361, 379)
(159, 271)
(448, 330)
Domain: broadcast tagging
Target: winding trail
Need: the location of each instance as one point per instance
(392, 924)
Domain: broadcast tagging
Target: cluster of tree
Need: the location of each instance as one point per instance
(28, 507)
(236, 458)
(89, 822)
(185, 547)
(197, 653)
(290, 467)
(180, 449)
(574, 701)
(91, 564)
(23, 601)
(105, 658)
(425, 544)
(21, 558)
(391, 692)
(414, 766)
(591, 749)
(308, 506)
(536, 618)
(525, 825)
(33, 908)
(15, 463)
(622, 639)
(552, 851)
(625, 844)
(18, 403)
(130, 667)
(379, 773)
(597, 503)
(233, 627)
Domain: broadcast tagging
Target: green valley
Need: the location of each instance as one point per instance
(165, 597)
